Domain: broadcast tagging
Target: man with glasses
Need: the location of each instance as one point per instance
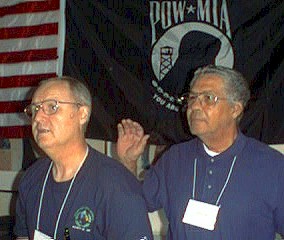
(222, 184)
(74, 192)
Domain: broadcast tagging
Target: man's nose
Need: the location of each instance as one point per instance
(196, 103)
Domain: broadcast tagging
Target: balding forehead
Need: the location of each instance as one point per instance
(52, 88)
(208, 77)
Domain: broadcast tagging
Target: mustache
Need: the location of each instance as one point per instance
(196, 115)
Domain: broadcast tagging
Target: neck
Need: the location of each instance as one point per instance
(220, 144)
(67, 161)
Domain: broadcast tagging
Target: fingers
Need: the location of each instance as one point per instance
(129, 127)
(125, 127)
(143, 142)
(137, 129)
(120, 130)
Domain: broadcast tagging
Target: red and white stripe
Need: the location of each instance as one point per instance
(31, 49)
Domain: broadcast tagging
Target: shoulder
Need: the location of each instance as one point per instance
(184, 146)
(38, 167)
(105, 164)
(262, 156)
(110, 172)
(262, 150)
(179, 151)
(32, 176)
(176, 158)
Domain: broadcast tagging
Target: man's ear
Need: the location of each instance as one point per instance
(237, 109)
(84, 110)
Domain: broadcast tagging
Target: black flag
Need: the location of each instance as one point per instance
(138, 57)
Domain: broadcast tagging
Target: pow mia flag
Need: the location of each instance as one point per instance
(138, 58)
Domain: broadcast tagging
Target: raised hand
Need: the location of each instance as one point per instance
(131, 143)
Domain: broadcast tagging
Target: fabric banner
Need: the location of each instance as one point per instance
(29, 52)
(138, 57)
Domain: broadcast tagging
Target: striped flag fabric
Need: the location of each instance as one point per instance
(31, 49)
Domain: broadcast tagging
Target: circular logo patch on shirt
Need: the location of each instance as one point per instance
(84, 216)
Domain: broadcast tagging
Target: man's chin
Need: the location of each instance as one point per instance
(197, 127)
(43, 142)
(194, 132)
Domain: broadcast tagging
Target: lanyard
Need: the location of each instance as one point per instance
(225, 184)
(65, 198)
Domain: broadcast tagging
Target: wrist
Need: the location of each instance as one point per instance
(130, 164)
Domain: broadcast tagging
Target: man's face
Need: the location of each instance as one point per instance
(210, 122)
(61, 128)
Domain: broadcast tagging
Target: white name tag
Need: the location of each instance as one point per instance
(200, 214)
(40, 236)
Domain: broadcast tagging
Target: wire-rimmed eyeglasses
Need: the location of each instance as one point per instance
(205, 99)
(48, 106)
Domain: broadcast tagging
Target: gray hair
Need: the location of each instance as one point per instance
(79, 90)
(236, 86)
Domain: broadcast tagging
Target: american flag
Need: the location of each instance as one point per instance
(31, 49)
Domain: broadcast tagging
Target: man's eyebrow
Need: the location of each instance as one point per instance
(203, 92)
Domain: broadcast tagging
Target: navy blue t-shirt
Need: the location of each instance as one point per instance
(252, 205)
(105, 202)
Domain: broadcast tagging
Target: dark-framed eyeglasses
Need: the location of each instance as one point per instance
(48, 106)
(205, 99)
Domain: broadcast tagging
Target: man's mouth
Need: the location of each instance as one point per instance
(42, 130)
(196, 118)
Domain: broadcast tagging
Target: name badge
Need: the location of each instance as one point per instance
(201, 214)
(38, 235)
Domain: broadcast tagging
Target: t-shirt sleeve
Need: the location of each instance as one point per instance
(129, 217)
(155, 184)
(20, 229)
(279, 211)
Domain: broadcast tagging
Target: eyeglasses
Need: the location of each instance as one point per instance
(48, 106)
(205, 99)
